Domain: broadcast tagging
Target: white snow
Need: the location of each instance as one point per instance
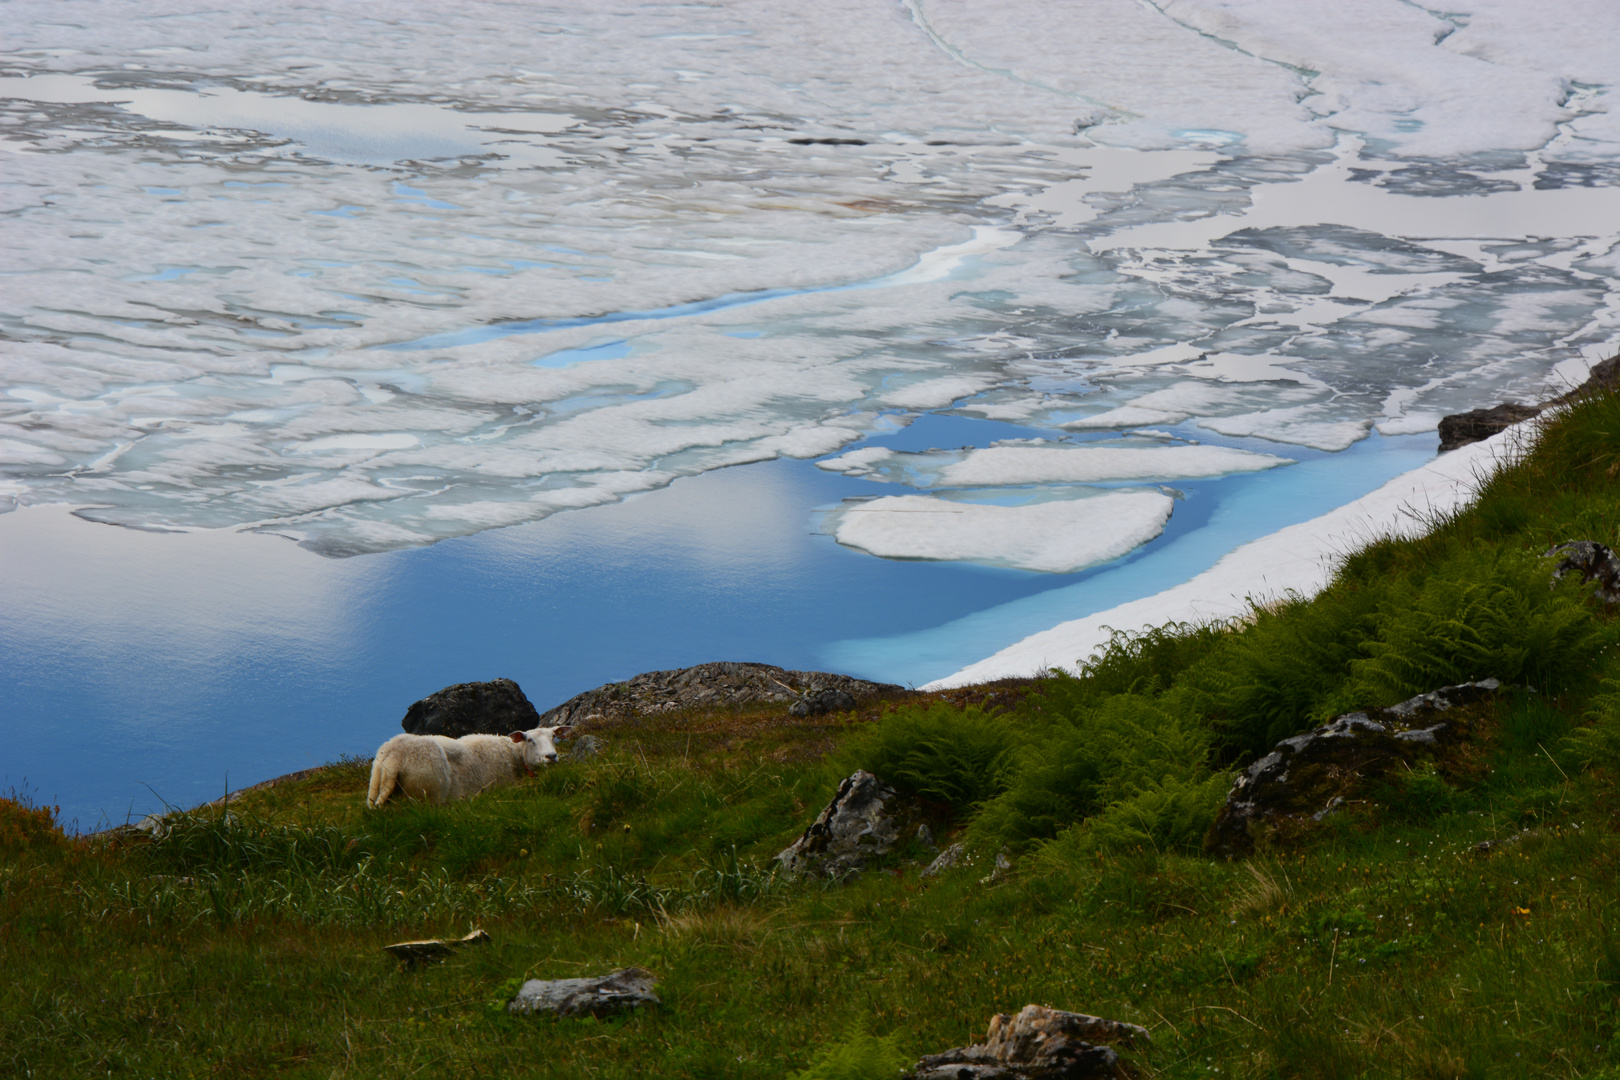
(1056, 537)
(1298, 559)
(1085, 464)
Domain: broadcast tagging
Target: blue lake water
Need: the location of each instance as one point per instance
(141, 668)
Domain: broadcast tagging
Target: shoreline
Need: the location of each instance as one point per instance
(1296, 559)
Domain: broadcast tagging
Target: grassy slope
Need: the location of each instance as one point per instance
(1384, 943)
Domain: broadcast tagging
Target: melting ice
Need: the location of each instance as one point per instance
(371, 279)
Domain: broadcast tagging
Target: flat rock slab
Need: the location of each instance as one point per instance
(432, 951)
(717, 685)
(604, 995)
(497, 707)
(1310, 775)
(1040, 1043)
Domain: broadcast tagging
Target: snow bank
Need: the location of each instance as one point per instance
(1300, 558)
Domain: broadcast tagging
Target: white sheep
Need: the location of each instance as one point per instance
(437, 769)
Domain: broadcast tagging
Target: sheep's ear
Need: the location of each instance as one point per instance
(518, 736)
(561, 732)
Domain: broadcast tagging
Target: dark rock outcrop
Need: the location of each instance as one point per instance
(1039, 1043)
(715, 686)
(1476, 425)
(601, 996)
(817, 702)
(1594, 562)
(1460, 429)
(864, 820)
(497, 707)
(1307, 777)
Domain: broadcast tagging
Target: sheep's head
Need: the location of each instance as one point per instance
(538, 747)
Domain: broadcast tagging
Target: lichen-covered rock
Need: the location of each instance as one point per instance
(1040, 1043)
(1309, 776)
(497, 707)
(1594, 562)
(604, 995)
(715, 686)
(946, 859)
(863, 821)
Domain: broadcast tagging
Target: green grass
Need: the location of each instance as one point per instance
(1460, 923)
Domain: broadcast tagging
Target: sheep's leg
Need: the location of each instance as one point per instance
(384, 776)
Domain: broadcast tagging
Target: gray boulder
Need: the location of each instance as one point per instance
(1309, 776)
(1040, 1043)
(863, 821)
(601, 996)
(724, 685)
(497, 707)
(1594, 562)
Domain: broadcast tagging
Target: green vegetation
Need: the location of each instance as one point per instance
(1462, 922)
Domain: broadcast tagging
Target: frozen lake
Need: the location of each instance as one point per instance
(339, 363)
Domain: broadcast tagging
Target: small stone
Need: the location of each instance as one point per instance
(412, 953)
(925, 836)
(601, 996)
(946, 859)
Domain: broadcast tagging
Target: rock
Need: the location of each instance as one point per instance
(1039, 1043)
(1594, 562)
(858, 825)
(586, 746)
(946, 859)
(431, 952)
(925, 836)
(1309, 776)
(713, 686)
(601, 996)
(817, 702)
(1475, 425)
(489, 708)
(1001, 869)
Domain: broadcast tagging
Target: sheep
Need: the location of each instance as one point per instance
(437, 769)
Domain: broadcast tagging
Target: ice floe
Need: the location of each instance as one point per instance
(1057, 537)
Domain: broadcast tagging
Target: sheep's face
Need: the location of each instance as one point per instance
(538, 745)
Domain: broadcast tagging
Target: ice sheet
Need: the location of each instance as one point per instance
(316, 274)
(1056, 537)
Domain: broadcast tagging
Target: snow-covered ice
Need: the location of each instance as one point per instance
(1056, 537)
(316, 274)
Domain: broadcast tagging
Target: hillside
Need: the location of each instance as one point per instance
(1452, 919)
